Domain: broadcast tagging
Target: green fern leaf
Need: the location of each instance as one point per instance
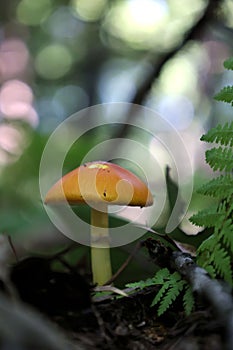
(220, 158)
(222, 263)
(220, 187)
(228, 64)
(210, 269)
(215, 253)
(222, 134)
(188, 300)
(160, 293)
(226, 234)
(161, 276)
(141, 284)
(207, 245)
(228, 238)
(225, 95)
(172, 293)
(207, 217)
(174, 277)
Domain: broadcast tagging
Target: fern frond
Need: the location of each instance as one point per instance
(207, 217)
(220, 158)
(207, 245)
(228, 64)
(188, 300)
(160, 293)
(168, 292)
(225, 95)
(210, 269)
(215, 253)
(161, 276)
(222, 263)
(226, 234)
(141, 284)
(222, 134)
(220, 187)
(172, 293)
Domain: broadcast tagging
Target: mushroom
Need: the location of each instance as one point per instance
(99, 184)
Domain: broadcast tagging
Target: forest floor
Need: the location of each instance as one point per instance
(109, 322)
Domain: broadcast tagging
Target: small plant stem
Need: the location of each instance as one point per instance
(100, 250)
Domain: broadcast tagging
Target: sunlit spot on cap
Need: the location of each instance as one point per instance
(98, 166)
(16, 100)
(14, 58)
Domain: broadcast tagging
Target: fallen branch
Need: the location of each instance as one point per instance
(217, 294)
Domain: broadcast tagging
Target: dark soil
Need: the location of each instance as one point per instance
(111, 322)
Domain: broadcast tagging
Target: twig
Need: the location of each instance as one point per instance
(12, 248)
(125, 264)
(65, 250)
(110, 289)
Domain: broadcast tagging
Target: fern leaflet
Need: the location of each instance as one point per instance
(218, 187)
(222, 134)
(172, 285)
(220, 158)
(160, 277)
(188, 300)
(160, 293)
(228, 64)
(171, 295)
(222, 262)
(225, 95)
(226, 234)
(207, 217)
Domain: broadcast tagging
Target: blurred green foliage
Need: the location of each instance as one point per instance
(58, 57)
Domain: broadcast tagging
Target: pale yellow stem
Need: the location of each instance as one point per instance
(100, 250)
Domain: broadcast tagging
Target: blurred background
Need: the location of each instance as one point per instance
(58, 57)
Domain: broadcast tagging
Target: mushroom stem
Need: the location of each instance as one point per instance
(100, 251)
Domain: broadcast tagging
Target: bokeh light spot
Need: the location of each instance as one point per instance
(68, 99)
(177, 109)
(10, 139)
(14, 57)
(32, 12)
(137, 21)
(16, 100)
(13, 141)
(53, 61)
(89, 10)
(63, 23)
(181, 72)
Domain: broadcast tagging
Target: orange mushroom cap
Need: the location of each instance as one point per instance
(100, 182)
